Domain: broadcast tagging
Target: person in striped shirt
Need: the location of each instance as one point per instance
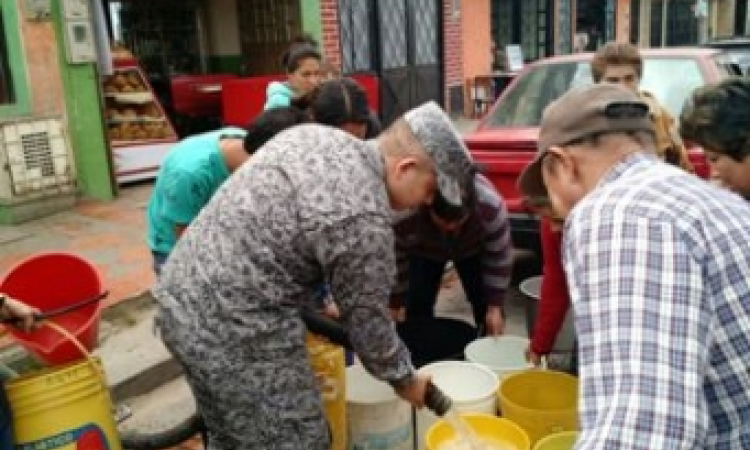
(475, 237)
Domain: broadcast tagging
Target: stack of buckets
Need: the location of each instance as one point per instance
(67, 404)
(542, 404)
(538, 407)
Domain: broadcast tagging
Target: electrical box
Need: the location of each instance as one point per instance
(80, 41)
(76, 9)
(79, 33)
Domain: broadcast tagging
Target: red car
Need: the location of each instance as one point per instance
(505, 141)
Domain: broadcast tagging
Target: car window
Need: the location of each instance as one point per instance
(670, 80)
(524, 103)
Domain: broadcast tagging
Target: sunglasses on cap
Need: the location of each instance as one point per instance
(626, 110)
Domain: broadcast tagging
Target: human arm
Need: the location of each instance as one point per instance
(497, 255)
(396, 301)
(554, 298)
(358, 256)
(643, 330)
(11, 308)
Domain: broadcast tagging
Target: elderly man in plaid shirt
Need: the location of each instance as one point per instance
(658, 264)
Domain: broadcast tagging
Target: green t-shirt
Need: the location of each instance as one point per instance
(190, 174)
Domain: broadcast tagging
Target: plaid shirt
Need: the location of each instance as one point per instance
(658, 264)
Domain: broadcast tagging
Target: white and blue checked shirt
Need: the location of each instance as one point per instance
(658, 264)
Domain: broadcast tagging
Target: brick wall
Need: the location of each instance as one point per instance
(453, 58)
(329, 19)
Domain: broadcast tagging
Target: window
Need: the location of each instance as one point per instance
(7, 94)
(524, 104)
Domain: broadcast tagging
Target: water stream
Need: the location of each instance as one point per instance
(466, 437)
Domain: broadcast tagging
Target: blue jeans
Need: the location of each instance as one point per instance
(425, 277)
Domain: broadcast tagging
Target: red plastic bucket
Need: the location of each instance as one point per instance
(49, 281)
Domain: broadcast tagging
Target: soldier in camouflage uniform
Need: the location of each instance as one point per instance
(313, 204)
(718, 118)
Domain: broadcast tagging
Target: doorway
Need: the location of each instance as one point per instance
(400, 40)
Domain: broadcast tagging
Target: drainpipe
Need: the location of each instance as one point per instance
(664, 9)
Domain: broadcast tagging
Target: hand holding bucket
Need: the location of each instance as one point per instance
(72, 294)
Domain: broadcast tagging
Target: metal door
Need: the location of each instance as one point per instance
(426, 64)
(400, 41)
(395, 83)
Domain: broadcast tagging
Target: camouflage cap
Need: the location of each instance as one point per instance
(717, 117)
(440, 140)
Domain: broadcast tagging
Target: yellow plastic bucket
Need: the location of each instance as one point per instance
(505, 434)
(327, 361)
(558, 441)
(542, 402)
(66, 407)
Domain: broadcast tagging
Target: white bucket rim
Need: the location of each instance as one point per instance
(479, 367)
(390, 397)
(470, 355)
(532, 287)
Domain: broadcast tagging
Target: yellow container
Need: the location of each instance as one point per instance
(66, 407)
(558, 441)
(505, 433)
(542, 402)
(327, 361)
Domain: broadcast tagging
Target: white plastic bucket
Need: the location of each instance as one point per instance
(504, 355)
(472, 387)
(565, 341)
(376, 417)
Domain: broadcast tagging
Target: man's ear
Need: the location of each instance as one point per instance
(560, 159)
(405, 164)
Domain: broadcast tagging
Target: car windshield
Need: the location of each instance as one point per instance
(670, 80)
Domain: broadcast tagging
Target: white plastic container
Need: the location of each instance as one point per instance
(472, 387)
(376, 417)
(504, 355)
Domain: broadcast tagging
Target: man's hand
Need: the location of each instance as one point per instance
(414, 390)
(533, 358)
(331, 310)
(494, 321)
(397, 309)
(15, 309)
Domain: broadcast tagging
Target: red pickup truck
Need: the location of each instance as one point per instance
(505, 140)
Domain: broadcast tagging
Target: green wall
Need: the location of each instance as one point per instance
(311, 24)
(85, 121)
